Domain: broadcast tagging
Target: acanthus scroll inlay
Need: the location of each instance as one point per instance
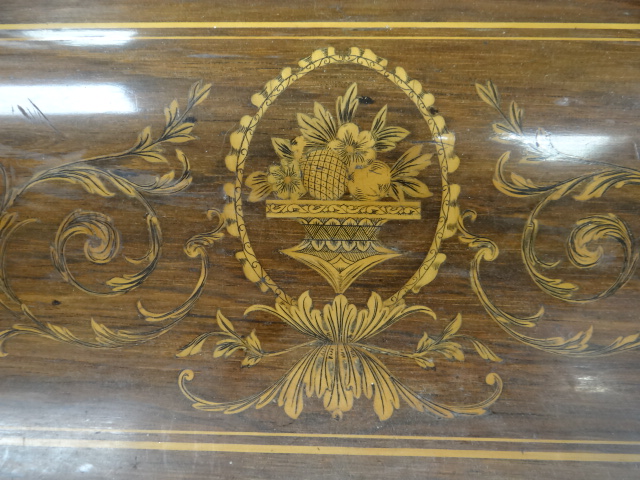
(582, 246)
(102, 237)
(344, 177)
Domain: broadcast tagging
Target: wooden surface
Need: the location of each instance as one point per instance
(74, 100)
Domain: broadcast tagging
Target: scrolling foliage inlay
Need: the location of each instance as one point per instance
(580, 246)
(102, 242)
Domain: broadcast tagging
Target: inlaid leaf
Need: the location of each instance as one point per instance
(198, 93)
(450, 350)
(489, 94)
(194, 347)
(6, 335)
(7, 220)
(484, 351)
(599, 184)
(313, 131)
(184, 160)
(325, 121)
(250, 360)
(165, 179)
(422, 405)
(411, 163)
(521, 182)
(144, 139)
(259, 185)
(88, 179)
(224, 323)
(346, 106)
(152, 155)
(515, 115)
(291, 395)
(503, 129)
(379, 122)
(60, 332)
(125, 186)
(409, 186)
(181, 133)
(424, 343)
(253, 342)
(626, 343)
(282, 148)
(423, 362)
(385, 394)
(452, 328)
(388, 138)
(104, 335)
(582, 251)
(167, 184)
(226, 348)
(171, 113)
(127, 282)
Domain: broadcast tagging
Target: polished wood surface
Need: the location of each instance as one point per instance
(157, 282)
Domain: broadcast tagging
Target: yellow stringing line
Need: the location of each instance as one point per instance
(312, 25)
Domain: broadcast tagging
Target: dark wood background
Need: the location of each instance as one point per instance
(585, 93)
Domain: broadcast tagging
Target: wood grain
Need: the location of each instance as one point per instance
(70, 411)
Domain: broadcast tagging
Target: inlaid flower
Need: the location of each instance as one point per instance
(286, 180)
(354, 147)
